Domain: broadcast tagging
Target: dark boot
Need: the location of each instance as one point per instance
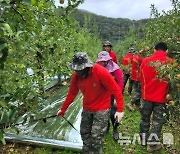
(115, 132)
(154, 148)
(108, 127)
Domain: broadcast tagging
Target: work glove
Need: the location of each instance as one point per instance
(60, 113)
(118, 116)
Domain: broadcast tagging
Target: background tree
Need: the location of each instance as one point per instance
(36, 36)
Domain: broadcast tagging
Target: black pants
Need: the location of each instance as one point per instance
(126, 78)
(112, 112)
(158, 110)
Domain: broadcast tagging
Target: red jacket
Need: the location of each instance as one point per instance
(135, 72)
(127, 62)
(113, 56)
(153, 89)
(127, 59)
(96, 90)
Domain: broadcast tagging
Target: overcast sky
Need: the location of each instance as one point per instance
(131, 9)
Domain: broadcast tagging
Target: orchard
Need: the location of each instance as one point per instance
(36, 35)
(164, 27)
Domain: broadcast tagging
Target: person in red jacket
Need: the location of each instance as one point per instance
(106, 61)
(153, 94)
(135, 77)
(96, 85)
(107, 46)
(127, 63)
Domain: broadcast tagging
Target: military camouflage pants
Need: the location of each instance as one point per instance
(137, 93)
(93, 127)
(158, 110)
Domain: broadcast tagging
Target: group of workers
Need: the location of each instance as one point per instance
(102, 85)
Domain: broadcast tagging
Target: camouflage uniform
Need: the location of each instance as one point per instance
(158, 119)
(93, 124)
(93, 127)
(137, 93)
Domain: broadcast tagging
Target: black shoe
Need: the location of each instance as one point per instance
(154, 148)
(115, 133)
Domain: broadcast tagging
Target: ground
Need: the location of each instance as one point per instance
(129, 126)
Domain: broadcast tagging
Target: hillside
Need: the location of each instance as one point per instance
(112, 29)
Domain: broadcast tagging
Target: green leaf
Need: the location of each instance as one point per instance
(2, 104)
(12, 114)
(4, 117)
(6, 27)
(19, 120)
(2, 46)
(2, 137)
(33, 2)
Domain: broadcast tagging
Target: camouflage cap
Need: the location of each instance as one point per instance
(131, 50)
(107, 43)
(80, 61)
